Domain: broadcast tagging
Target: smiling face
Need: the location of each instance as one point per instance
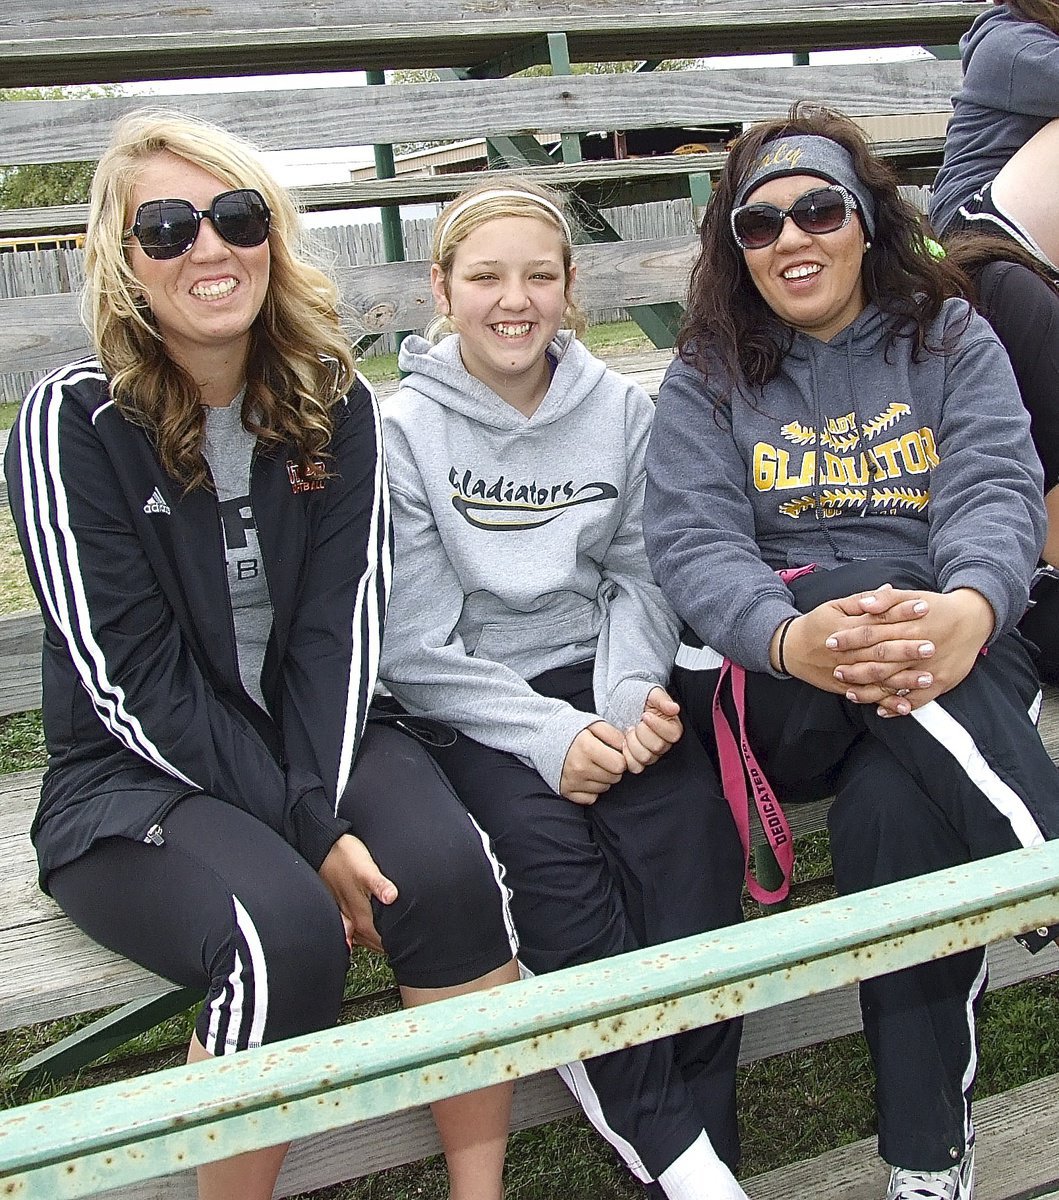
(506, 293)
(205, 301)
(810, 281)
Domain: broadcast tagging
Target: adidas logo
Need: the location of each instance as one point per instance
(156, 504)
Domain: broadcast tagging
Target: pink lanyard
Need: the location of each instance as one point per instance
(738, 762)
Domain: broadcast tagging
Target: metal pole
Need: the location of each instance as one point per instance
(392, 235)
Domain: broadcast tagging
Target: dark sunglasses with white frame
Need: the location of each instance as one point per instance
(819, 210)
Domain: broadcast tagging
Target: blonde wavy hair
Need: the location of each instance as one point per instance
(299, 363)
(453, 226)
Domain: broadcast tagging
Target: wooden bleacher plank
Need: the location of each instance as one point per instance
(41, 961)
(39, 333)
(390, 296)
(18, 801)
(664, 176)
(44, 332)
(69, 130)
(62, 43)
(51, 969)
(20, 647)
(1018, 1156)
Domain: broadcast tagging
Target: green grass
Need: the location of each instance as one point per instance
(378, 368)
(617, 337)
(8, 413)
(21, 742)
(15, 593)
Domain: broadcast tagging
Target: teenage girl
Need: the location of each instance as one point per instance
(524, 614)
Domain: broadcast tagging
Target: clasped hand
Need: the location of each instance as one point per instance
(895, 648)
(601, 754)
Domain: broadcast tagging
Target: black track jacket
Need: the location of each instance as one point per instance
(143, 704)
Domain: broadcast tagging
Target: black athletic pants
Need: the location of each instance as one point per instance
(655, 858)
(226, 905)
(964, 777)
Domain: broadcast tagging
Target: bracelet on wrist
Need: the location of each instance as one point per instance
(779, 645)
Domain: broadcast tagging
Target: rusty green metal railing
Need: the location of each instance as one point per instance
(124, 1132)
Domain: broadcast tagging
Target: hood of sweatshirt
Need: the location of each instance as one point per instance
(983, 25)
(441, 375)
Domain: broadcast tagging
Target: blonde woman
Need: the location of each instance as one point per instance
(202, 506)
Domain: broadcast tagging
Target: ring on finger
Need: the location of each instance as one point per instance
(902, 691)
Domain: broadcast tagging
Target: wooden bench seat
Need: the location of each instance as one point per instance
(1018, 1156)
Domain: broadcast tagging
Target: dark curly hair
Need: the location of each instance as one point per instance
(728, 323)
(970, 251)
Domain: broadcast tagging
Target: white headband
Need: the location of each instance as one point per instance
(500, 194)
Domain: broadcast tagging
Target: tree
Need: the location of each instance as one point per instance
(40, 185)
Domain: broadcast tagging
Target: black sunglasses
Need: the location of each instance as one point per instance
(168, 228)
(823, 210)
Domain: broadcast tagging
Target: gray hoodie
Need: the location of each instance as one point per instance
(519, 548)
(1010, 91)
(844, 456)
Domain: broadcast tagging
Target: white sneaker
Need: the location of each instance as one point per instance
(957, 1183)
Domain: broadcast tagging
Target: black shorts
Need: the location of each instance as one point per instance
(226, 905)
(982, 214)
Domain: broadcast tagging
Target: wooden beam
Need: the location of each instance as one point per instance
(21, 639)
(601, 182)
(71, 130)
(57, 42)
(39, 333)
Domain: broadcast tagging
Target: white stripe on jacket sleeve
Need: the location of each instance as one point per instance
(369, 614)
(55, 552)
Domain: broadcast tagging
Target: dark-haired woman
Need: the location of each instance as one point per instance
(832, 411)
(1001, 160)
(203, 509)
